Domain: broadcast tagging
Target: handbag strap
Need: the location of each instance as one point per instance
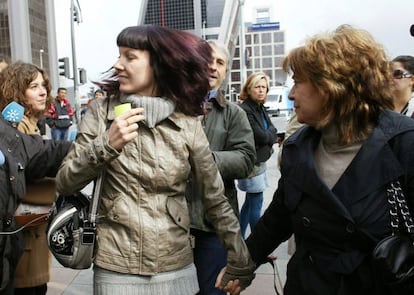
(398, 207)
(97, 188)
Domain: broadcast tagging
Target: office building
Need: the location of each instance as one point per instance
(263, 51)
(27, 33)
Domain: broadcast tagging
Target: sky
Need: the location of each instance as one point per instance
(388, 21)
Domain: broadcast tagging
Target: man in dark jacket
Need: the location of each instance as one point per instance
(22, 158)
(59, 116)
(232, 144)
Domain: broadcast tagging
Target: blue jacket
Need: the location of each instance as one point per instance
(336, 230)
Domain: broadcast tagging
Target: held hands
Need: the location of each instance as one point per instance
(234, 280)
(124, 128)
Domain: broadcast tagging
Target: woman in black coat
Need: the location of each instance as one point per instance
(335, 171)
(254, 95)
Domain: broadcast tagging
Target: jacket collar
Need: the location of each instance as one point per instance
(219, 99)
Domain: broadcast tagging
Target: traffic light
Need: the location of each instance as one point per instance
(77, 17)
(82, 76)
(64, 67)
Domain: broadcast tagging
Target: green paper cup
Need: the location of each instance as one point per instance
(122, 108)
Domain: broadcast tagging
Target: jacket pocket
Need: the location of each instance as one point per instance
(177, 209)
(117, 209)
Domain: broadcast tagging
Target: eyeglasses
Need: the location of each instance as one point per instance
(398, 74)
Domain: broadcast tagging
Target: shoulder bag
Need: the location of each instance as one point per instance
(393, 257)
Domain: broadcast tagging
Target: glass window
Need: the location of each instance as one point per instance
(278, 61)
(257, 64)
(266, 38)
(237, 52)
(279, 37)
(256, 51)
(279, 49)
(266, 50)
(236, 64)
(267, 62)
(256, 38)
(248, 39)
(235, 76)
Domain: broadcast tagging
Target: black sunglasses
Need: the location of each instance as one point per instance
(398, 74)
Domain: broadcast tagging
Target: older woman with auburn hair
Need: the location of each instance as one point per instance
(335, 170)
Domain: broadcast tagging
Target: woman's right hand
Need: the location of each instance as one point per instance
(125, 128)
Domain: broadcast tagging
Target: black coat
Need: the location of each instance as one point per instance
(26, 157)
(336, 230)
(263, 138)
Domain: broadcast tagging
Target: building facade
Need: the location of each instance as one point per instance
(263, 51)
(27, 33)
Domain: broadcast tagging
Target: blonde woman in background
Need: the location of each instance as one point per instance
(254, 95)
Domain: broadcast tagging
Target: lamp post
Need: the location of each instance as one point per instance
(75, 17)
(242, 46)
(41, 57)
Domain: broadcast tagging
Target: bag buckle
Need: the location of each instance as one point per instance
(88, 236)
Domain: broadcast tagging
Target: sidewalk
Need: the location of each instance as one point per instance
(66, 281)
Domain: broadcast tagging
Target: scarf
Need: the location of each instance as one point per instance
(155, 108)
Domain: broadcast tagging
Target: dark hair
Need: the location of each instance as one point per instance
(407, 61)
(61, 88)
(179, 61)
(99, 91)
(16, 79)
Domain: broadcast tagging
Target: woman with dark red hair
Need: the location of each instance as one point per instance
(146, 154)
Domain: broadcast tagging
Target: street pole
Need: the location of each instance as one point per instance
(74, 64)
(242, 46)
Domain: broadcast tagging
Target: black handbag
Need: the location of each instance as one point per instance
(71, 231)
(393, 256)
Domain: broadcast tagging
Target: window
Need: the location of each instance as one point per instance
(266, 50)
(266, 38)
(279, 49)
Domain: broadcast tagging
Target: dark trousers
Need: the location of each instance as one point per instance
(38, 290)
(209, 258)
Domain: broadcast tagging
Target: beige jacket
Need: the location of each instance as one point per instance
(144, 221)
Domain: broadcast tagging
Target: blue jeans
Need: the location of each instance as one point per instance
(250, 211)
(209, 258)
(60, 134)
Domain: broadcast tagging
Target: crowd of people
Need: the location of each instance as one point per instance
(169, 220)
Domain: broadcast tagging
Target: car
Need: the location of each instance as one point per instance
(278, 101)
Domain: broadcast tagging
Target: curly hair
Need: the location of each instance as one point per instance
(352, 72)
(179, 61)
(15, 80)
(251, 81)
